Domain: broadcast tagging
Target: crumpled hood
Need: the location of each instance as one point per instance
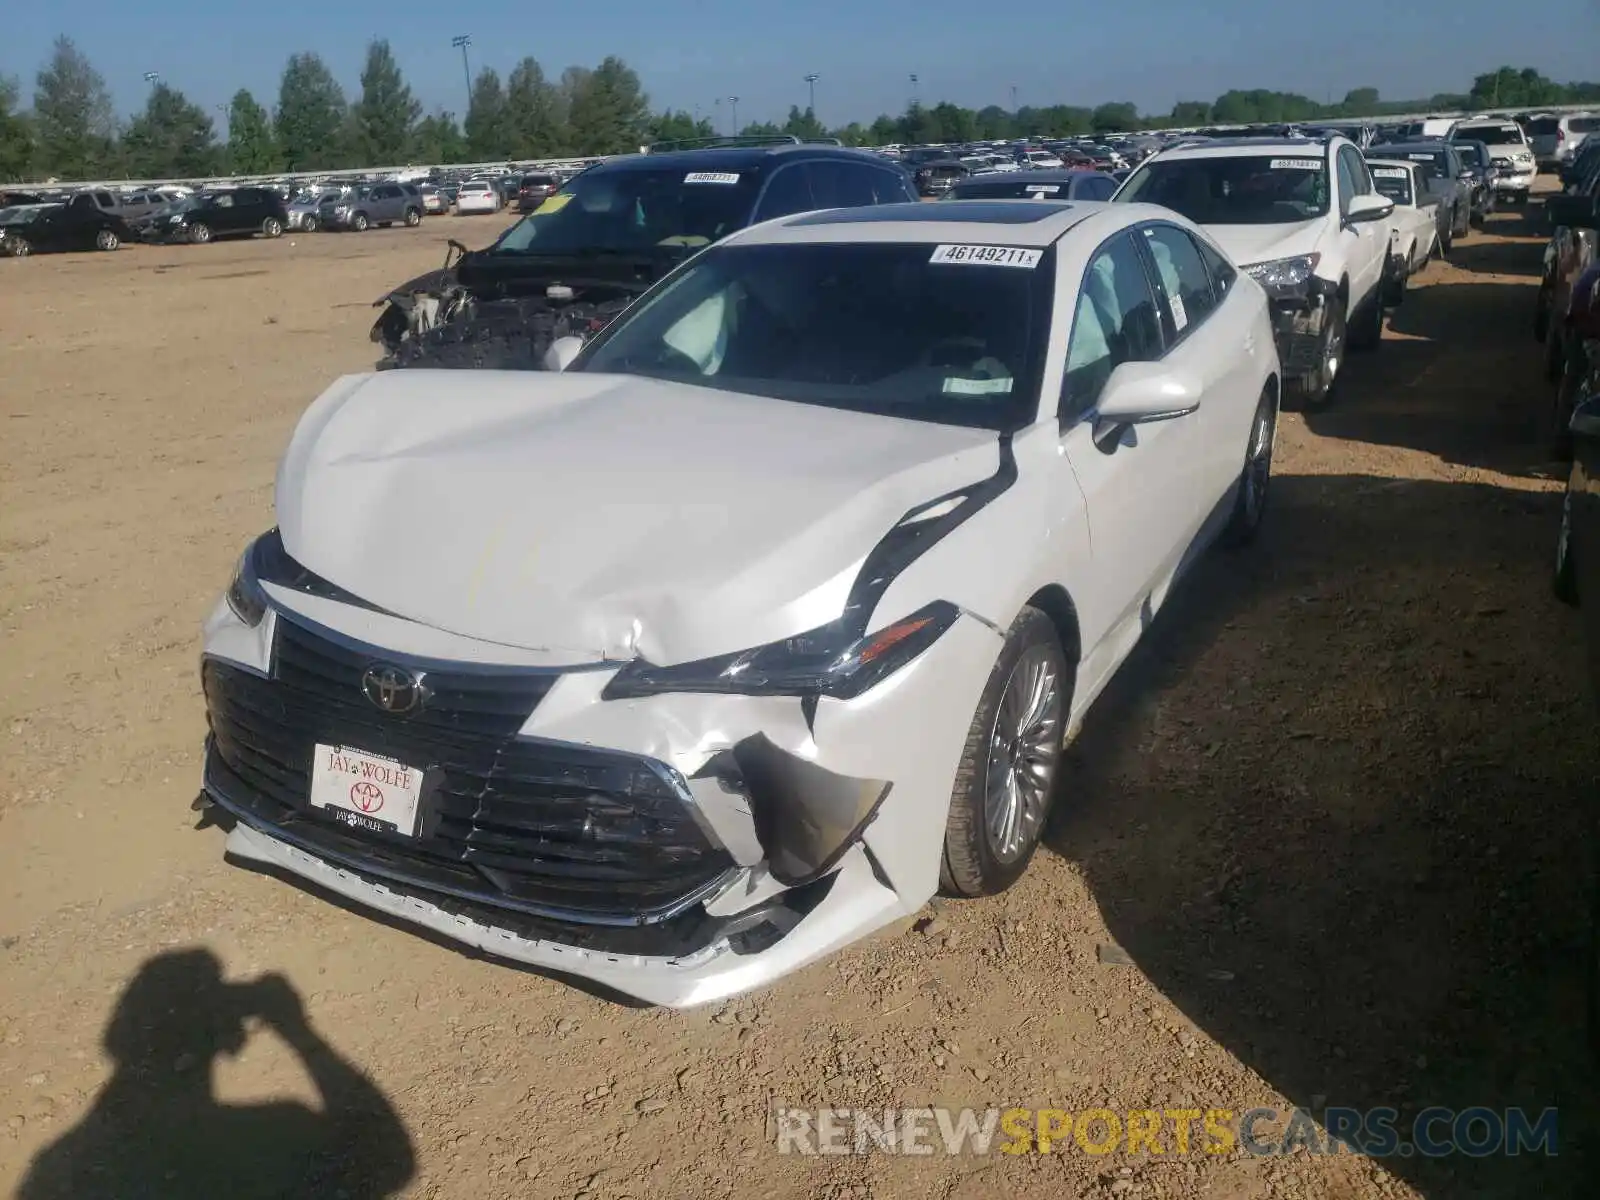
(1251, 244)
(602, 515)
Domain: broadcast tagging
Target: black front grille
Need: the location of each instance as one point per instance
(558, 828)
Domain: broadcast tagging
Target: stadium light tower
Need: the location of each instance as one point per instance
(152, 77)
(916, 99)
(733, 110)
(461, 42)
(811, 93)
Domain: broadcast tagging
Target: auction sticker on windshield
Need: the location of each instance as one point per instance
(987, 256)
(1042, 188)
(1389, 172)
(365, 791)
(554, 203)
(1295, 164)
(711, 177)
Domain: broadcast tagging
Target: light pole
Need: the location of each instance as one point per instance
(915, 99)
(152, 77)
(733, 110)
(1013, 98)
(461, 42)
(811, 93)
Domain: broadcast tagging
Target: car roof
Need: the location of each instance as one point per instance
(733, 158)
(1251, 146)
(1002, 222)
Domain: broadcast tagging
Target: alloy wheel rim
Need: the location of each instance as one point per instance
(1023, 748)
(1333, 353)
(1258, 464)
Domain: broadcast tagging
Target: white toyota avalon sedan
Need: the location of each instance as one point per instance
(761, 617)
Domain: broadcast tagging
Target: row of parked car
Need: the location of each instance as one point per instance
(828, 661)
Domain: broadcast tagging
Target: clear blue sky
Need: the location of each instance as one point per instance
(1151, 52)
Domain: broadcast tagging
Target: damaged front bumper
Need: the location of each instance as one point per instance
(679, 848)
(1299, 318)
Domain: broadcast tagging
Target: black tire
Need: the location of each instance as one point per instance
(413, 218)
(107, 239)
(1463, 223)
(309, 225)
(1255, 477)
(970, 865)
(272, 227)
(200, 233)
(1564, 578)
(18, 247)
(360, 223)
(1447, 239)
(1366, 333)
(1313, 392)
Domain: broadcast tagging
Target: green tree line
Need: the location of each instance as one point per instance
(72, 131)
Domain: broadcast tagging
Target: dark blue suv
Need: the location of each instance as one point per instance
(606, 235)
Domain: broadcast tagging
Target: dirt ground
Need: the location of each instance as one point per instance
(1335, 812)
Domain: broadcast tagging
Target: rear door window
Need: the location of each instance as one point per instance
(1183, 278)
(788, 192)
(837, 184)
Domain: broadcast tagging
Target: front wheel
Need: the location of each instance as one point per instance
(272, 227)
(1315, 391)
(413, 218)
(1003, 786)
(1255, 478)
(107, 239)
(308, 225)
(18, 247)
(359, 222)
(200, 234)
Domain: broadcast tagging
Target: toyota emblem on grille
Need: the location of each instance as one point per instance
(393, 689)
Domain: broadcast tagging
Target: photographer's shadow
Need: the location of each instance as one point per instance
(157, 1131)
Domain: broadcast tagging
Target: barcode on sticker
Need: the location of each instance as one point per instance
(1295, 164)
(987, 256)
(711, 177)
(1042, 187)
(1389, 172)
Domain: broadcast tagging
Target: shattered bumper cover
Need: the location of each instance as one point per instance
(1298, 319)
(782, 834)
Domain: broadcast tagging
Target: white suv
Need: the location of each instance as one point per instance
(1509, 152)
(1303, 219)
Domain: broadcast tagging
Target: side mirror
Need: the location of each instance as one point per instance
(1141, 392)
(1368, 207)
(561, 353)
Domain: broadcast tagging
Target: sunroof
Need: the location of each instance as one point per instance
(976, 212)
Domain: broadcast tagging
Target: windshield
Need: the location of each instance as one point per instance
(1393, 182)
(1246, 190)
(917, 331)
(634, 212)
(1542, 125)
(1493, 135)
(1473, 153)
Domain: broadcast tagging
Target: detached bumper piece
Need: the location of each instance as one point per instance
(1297, 329)
(569, 833)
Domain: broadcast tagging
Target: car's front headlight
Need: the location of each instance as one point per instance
(1283, 275)
(829, 661)
(245, 595)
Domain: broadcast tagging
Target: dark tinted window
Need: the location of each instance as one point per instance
(1116, 321)
(788, 191)
(876, 327)
(634, 210)
(890, 187)
(1183, 277)
(1254, 189)
(837, 184)
(1096, 188)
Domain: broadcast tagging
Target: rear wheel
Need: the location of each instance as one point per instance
(200, 233)
(309, 224)
(107, 239)
(1003, 786)
(18, 247)
(413, 218)
(359, 222)
(272, 227)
